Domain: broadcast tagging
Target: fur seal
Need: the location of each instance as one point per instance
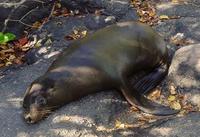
(108, 59)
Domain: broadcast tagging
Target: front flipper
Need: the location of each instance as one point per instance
(151, 80)
(138, 100)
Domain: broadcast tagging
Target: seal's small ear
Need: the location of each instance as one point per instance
(49, 83)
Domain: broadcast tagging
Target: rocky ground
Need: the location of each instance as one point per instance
(96, 115)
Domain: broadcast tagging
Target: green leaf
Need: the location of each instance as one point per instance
(10, 36)
(4, 38)
(1, 37)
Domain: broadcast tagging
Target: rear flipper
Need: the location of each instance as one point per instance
(151, 80)
(138, 100)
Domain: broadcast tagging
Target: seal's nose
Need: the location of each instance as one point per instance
(28, 119)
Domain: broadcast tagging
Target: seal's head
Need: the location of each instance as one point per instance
(39, 100)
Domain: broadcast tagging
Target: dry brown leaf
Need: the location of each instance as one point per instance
(8, 63)
(65, 12)
(3, 47)
(134, 109)
(152, 13)
(18, 61)
(146, 11)
(172, 90)
(6, 51)
(12, 57)
(12, 53)
(97, 12)
(155, 94)
(1, 64)
(118, 124)
(76, 34)
(37, 24)
(23, 41)
(175, 1)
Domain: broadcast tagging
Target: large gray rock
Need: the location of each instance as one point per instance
(184, 72)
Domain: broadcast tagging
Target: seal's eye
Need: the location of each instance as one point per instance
(40, 100)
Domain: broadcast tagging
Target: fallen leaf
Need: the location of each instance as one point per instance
(164, 17)
(12, 57)
(75, 32)
(171, 98)
(118, 124)
(172, 90)
(6, 51)
(58, 5)
(175, 1)
(155, 94)
(84, 33)
(97, 12)
(37, 24)
(134, 109)
(23, 41)
(175, 105)
(151, 13)
(3, 47)
(1, 64)
(8, 63)
(18, 61)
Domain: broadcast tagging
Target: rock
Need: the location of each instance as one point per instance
(184, 72)
(20, 15)
(112, 8)
(186, 15)
(187, 126)
(5, 11)
(187, 9)
(183, 26)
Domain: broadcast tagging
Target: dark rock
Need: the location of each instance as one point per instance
(189, 27)
(4, 14)
(187, 9)
(22, 14)
(111, 8)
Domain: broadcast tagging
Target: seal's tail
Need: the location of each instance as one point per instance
(151, 107)
(134, 94)
(146, 105)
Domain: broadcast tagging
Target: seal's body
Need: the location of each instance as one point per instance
(108, 59)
